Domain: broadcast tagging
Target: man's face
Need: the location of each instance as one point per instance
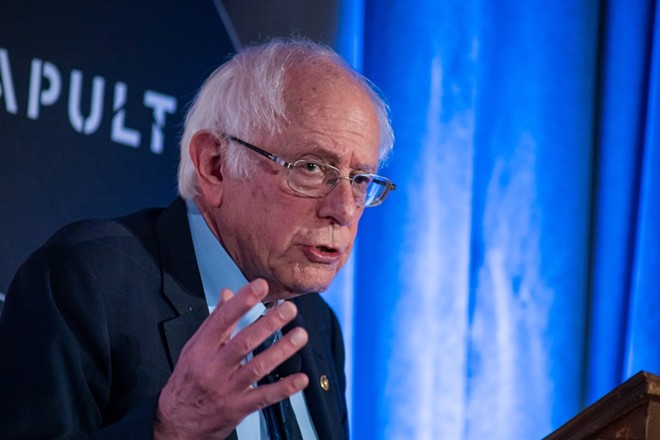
(298, 243)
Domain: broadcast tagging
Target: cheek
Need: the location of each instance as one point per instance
(353, 233)
(284, 221)
(277, 218)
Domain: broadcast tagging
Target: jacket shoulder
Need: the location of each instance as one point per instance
(139, 224)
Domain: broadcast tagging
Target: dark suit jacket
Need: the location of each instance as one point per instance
(95, 320)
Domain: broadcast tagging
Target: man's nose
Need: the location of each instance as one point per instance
(340, 203)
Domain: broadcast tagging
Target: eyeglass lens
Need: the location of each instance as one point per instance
(318, 179)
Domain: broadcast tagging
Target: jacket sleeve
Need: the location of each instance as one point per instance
(55, 351)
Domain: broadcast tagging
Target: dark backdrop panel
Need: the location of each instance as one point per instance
(92, 146)
(92, 95)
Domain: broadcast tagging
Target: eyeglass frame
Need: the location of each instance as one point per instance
(387, 183)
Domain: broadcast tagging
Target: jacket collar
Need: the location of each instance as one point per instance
(181, 283)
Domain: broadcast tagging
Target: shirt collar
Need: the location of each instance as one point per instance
(216, 268)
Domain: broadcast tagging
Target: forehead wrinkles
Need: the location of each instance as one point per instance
(312, 86)
(321, 97)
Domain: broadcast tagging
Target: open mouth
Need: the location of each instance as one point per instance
(326, 249)
(322, 254)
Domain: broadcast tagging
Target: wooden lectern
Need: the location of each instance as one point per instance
(631, 411)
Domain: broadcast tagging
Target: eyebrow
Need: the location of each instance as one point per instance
(333, 159)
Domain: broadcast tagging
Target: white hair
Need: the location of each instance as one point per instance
(246, 95)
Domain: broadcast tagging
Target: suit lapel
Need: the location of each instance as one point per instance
(322, 404)
(181, 282)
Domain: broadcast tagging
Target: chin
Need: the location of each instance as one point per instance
(310, 280)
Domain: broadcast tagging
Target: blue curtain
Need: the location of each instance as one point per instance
(509, 280)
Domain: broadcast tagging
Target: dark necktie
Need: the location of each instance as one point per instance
(280, 418)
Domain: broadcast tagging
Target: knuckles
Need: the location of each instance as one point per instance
(256, 368)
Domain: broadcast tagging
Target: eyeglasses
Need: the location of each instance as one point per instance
(316, 179)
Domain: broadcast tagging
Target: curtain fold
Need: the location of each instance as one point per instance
(626, 43)
(643, 350)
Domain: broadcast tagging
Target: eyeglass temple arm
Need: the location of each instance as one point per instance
(387, 183)
(260, 151)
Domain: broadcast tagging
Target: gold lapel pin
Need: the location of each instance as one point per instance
(325, 382)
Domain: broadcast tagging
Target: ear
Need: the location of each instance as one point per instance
(206, 154)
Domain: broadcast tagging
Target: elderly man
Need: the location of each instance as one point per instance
(106, 329)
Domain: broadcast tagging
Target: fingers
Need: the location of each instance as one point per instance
(247, 340)
(264, 363)
(225, 295)
(216, 330)
(267, 361)
(266, 395)
(210, 377)
(232, 307)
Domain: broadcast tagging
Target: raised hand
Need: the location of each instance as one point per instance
(209, 391)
